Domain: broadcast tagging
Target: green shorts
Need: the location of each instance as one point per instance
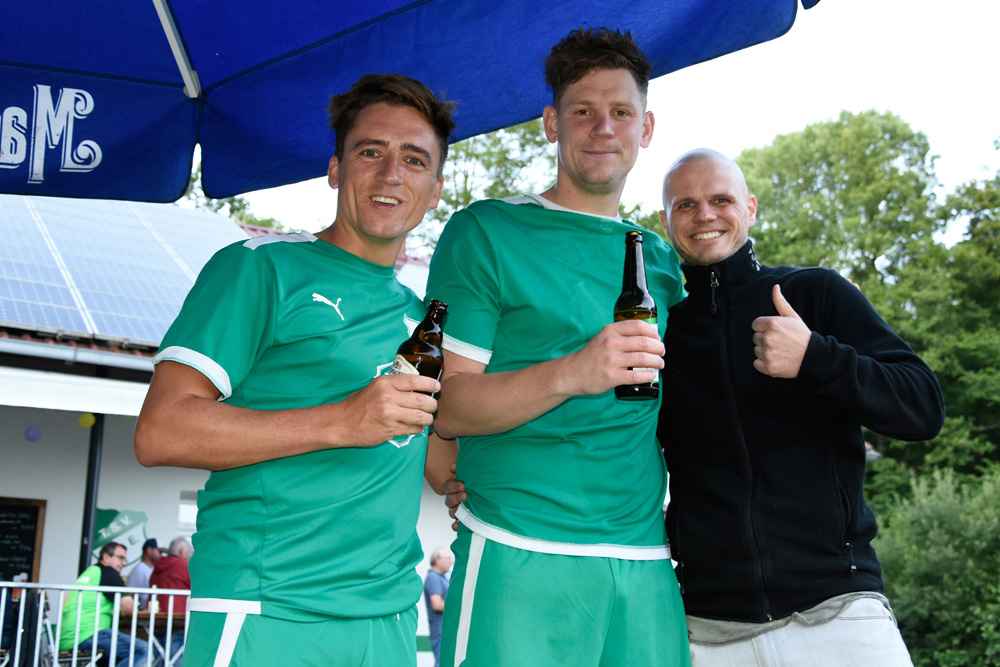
(508, 607)
(386, 641)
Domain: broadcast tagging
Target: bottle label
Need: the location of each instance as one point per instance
(401, 366)
(650, 320)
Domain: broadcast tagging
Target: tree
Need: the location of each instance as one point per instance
(852, 194)
(650, 221)
(499, 164)
(855, 194)
(940, 551)
(237, 208)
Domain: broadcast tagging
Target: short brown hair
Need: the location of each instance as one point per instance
(109, 549)
(395, 90)
(584, 50)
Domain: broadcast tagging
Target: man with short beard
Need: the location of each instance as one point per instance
(561, 556)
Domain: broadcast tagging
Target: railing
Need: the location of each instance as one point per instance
(39, 625)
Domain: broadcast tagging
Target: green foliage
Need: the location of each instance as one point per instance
(236, 208)
(499, 164)
(940, 551)
(853, 194)
(650, 221)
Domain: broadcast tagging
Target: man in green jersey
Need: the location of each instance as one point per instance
(561, 556)
(84, 612)
(274, 377)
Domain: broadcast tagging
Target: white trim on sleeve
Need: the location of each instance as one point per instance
(466, 350)
(204, 365)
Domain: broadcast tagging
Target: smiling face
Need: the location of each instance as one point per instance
(707, 210)
(387, 179)
(600, 124)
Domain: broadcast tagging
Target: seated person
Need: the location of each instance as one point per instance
(171, 571)
(89, 605)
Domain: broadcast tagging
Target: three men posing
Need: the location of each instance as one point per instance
(306, 543)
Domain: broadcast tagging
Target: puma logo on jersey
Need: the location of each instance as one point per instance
(323, 299)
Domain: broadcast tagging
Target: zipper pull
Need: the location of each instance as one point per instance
(714, 283)
(850, 551)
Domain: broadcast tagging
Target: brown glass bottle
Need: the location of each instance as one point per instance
(420, 354)
(635, 303)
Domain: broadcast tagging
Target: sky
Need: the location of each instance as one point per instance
(932, 63)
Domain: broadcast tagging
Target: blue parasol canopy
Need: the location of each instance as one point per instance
(107, 99)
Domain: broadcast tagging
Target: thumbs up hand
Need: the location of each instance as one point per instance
(780, 342)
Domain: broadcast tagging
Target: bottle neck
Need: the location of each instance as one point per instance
(634, 277)
(433, 324)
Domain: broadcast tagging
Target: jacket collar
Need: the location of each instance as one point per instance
(738, 268)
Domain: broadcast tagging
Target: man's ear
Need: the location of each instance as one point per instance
(549, 122)
(333, 172)
(647, 129)
(436, 196)
(663, 221)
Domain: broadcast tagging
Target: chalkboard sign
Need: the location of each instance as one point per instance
(21, 523)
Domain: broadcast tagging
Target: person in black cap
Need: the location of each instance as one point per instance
(139, 576)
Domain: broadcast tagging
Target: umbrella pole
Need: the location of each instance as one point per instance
(90, 494)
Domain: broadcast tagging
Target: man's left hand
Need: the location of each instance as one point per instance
(454, 495)
(780, 342)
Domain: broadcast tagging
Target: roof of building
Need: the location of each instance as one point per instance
(109, 275)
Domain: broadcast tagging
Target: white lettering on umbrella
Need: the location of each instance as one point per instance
(52, 126)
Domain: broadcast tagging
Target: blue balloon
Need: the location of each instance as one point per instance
(32, 433)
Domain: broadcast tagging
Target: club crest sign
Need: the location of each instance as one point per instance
(50, 126)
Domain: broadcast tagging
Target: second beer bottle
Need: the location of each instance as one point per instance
(420, 354)
(635, 303)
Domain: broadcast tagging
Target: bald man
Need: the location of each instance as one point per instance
(770, 375)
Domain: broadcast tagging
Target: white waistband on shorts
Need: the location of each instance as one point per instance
(223, 606)
(507, 538)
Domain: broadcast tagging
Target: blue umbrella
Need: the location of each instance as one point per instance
(107, 99)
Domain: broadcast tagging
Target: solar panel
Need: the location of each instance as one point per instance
(111, 270)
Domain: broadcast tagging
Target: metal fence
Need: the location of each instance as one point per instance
(33, 638)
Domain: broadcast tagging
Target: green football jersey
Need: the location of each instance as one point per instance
(89, 605)
(527, 282)
(282, 322)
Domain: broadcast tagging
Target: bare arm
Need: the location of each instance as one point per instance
(182, 424)
(477, 403)
(127, 602)
(440, 464)
(437, 603)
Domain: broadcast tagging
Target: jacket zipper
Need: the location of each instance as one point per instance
(714, 282)
(751, 531)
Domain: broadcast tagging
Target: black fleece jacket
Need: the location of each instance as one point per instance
(766, 513)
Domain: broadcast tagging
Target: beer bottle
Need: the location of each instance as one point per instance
(420, 354)
(635, 303)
